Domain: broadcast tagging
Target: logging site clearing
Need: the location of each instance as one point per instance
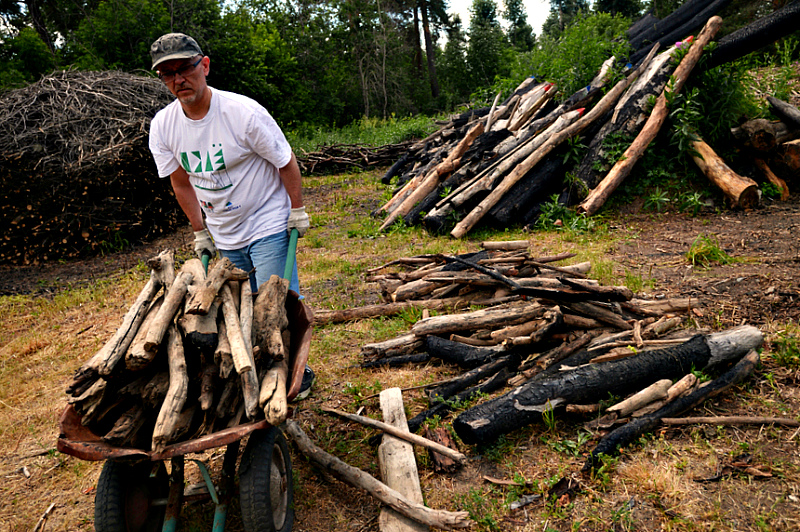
(678, 477)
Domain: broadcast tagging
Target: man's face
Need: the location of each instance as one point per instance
(186, 78)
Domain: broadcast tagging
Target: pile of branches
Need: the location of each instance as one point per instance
(551, 338)
(75, 169)
(500, 166)
(346, 157)
(194, 355)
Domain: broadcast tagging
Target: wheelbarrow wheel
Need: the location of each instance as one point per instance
(266, 492)
(128, 499)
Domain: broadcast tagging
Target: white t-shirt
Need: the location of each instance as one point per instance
(232, 156)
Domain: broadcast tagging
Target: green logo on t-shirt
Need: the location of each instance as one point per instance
(207, 167)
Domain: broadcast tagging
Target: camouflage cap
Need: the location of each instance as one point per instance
(173, 46)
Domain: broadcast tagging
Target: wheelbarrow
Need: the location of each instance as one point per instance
(135, 493)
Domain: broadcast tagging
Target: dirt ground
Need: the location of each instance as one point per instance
(761, 288)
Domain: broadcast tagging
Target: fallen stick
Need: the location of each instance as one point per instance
(635, 151)
(730, 420)
(42, 520)
(359, 479)
(741, 191)
(397, 433)
(625, 434)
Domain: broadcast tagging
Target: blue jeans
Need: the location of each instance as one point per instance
(268, 256)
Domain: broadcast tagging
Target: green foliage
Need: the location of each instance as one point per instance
(570, 447)
(787, 353)
(557, 216)
(23, 59)
(572, 60)
(770, 191)
(706, 251)
(481, 509)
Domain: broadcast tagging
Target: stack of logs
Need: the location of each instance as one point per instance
(500, 166)
(191, 360)
(557, 339)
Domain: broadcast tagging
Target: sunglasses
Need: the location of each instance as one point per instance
(169, 75)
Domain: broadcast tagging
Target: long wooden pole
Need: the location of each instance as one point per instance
(635, 151)
(464, 226)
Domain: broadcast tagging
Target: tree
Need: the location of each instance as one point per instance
(520, 34)
(486, 43)
(430, 53)
(24, 58)
(626, 8)
(452, 63)
(562, 13)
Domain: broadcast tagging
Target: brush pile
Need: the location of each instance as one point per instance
(501, 166)
(194, 359)
(76, 173)
(554, 337)
(347, 157)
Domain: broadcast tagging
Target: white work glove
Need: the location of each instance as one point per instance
(298, 219)
(203, 242)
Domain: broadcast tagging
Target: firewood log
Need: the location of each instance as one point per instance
(448, 389)
(275, 405)
(591, 383)
(104, 361)
(269, 317)
(163, 267)
(137, 357)
(786, 159)
(762, 135)
(552, 142)
(207, 386)
(400, 345)
(155, 390)
(437, 325)
(222, 354)
(242, 359)
(164, 318)
(600, 194)
(169, 416)
(223, 270)
(127, 426)
(654, 392)
(322, 317)
(741, 191)
(461, 354)
(674, 20)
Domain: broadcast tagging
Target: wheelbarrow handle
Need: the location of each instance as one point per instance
(205, 258)
(290, 254)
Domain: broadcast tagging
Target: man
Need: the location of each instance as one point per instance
(229, 165)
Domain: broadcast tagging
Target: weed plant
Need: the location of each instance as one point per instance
(706, 251)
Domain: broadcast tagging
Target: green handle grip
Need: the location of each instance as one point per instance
(293, 236)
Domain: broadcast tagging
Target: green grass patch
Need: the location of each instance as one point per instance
(705, 252)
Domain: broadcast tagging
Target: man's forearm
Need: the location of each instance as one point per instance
(187, 200)
(293, 182)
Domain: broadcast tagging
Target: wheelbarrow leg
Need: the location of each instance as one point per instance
(226, 486)
(175, 499)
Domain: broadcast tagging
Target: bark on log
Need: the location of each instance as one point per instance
(441, 463)
(446, 390)
(623, 167)
(400, 345)
(772, 178)
(741, 191)
(356, 477)
(127, 427)
(786, 160)
(169, 417)
(398, 360)
(588, 384)
(621, 436)
(222, 354)
(676, 19)
(398, 465)
(163, 267)
(269, 317)
(786, 112)
(475, 320)
(463, 355)
(762, 135)
(755, 35)
(730, 420)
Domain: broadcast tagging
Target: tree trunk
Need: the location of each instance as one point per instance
(741, 191)
(429, 50)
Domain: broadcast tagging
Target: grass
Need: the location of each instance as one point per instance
(705, 251)
(44, 339)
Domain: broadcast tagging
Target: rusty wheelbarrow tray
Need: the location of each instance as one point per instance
(137, 476)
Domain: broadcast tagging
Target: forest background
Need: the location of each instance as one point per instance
(328, 63)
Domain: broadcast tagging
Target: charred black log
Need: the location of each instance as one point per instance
(758, 34)
(486, 422)
(680, 17)
(463, 355)
(399, 360)
(627, 433)
(470, 378)
(645, 23)
(681, 32)
(493, 384)
(786, 112)
(530, 192)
